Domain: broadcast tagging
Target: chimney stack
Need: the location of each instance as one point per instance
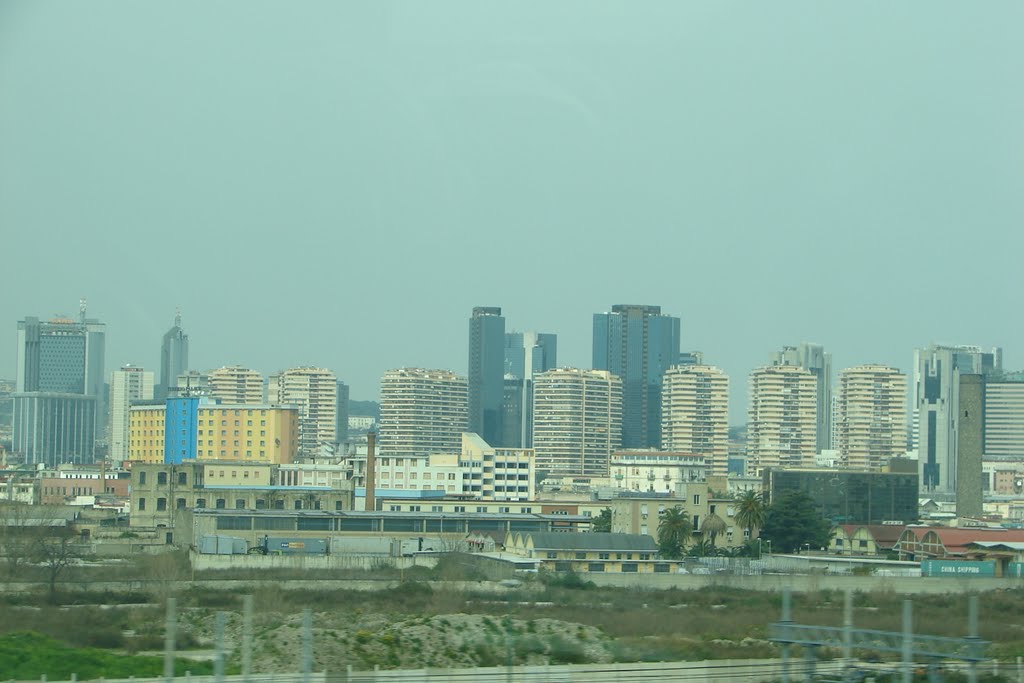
(371, 472)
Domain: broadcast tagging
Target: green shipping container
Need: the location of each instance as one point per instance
(958, 568)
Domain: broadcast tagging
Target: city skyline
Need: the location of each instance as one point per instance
(432, 159)
(737, 409)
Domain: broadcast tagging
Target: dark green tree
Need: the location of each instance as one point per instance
(702, 548)
(750, 511)
(603, 522)
(792, 522)
(674, 531)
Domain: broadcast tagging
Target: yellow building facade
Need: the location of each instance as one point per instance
(146, 433)
(245, 433)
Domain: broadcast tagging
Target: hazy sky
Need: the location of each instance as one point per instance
(339, 183)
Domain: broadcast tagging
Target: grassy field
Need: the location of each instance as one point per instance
(28, 656)
(555, 619)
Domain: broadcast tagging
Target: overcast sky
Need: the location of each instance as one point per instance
(339, 183)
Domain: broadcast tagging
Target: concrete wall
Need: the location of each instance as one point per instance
(805, 583)
(202, 562)
(710, 671)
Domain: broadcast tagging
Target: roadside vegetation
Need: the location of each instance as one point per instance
(551, 618)
(29, 656)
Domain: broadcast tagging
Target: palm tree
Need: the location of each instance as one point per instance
(750, 511)
(713, 525)
(674, 531)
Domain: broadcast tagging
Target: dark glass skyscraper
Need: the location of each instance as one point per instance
(526, 354)
(173, 358)
(486, 373)
(59, 407)
(638, 344)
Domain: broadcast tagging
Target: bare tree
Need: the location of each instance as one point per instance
(54, 550)
(16, 537)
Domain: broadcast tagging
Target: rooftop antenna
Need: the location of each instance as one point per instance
(177, 316)
(81, 310)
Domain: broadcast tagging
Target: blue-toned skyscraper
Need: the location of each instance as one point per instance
(59, 406)
(638, 344)
(526, 354)
(173, 358)
(486, 373)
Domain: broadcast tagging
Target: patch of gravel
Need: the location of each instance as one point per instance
(367, 640)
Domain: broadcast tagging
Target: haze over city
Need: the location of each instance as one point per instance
(340, 185)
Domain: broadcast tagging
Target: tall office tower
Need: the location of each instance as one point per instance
(59, 402)
(577, 421)
(1004, 417)
(341, 430)
(638, 344)
(937, 371)
(782, 418)
(695, 414)
(173, 358)
(512, 408)
(486, 373)
(127, 385)
(236, 385)
(526, 354)
(814, 359)
(422, 412)
(315, 392)
(871, 416)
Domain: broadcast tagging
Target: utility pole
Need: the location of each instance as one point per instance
(170, 629)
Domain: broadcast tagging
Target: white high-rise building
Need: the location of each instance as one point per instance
(1004, 419)
(577, 421)
(695, 414)
(871, 416)
(814, 359)
(422, 412)
(315, 392)
(127, 385)
(236, 385)
(782, 418)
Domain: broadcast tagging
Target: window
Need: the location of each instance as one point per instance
(396, 508)
(182, 479)
(221, 504)
(161, 479)
(239, 503)
(142, 504)
(596, 567)
(630, 567)
(460, 508)
(200, 502)
(298, 505)
(581, 556)
(604, 556)
(161, 504)
(552, 554)
(142, 478)
(696, 499)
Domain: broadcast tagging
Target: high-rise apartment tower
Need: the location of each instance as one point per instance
(577, 421)
(695, 414)
(872, 416)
